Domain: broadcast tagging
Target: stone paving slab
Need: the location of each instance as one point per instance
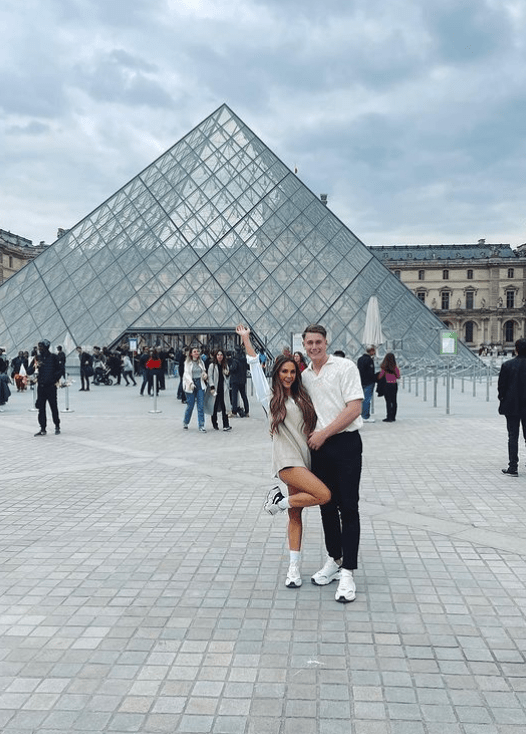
(142, 585)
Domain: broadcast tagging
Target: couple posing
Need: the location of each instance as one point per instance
(316, 452)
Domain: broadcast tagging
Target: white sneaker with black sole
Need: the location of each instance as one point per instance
(346, 591)
(293, 580)
(326, 575)
(271, 503)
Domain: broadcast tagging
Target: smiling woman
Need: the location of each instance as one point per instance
(292, 420)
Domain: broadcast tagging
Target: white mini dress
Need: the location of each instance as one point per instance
(289, 444)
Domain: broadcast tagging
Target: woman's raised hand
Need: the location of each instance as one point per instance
(242, 330)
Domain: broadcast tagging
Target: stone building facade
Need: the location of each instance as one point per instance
(15, 252)
(477, 290)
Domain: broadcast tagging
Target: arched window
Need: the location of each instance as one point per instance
(509, 331)
(445, 275)
(421, 274)
(468, 332)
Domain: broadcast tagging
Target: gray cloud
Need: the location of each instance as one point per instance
(120, 77)
(410, 115)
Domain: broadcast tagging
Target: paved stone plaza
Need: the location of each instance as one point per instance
(142, 586)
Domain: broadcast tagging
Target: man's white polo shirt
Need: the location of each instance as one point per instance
(337, 383)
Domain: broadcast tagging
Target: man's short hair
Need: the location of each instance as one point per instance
(370, 347)
(520, 347)
(315, 329)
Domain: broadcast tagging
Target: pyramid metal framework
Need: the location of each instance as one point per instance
(216, 231)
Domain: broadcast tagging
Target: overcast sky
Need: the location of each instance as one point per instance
(409, 114)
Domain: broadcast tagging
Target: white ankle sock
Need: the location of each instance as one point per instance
(284, 503)
(295, 556)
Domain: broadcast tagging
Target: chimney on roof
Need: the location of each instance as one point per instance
(323, 198)
(482, 242)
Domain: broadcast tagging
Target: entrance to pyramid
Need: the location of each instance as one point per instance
(176, 338)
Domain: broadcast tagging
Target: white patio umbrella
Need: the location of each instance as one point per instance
(372, 333)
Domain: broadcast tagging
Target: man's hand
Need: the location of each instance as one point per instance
(316, 440)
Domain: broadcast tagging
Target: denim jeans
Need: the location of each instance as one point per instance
(366, 405)
(198, 395)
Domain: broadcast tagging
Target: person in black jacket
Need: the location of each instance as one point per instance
(62, 361)
(86, 368)
(366, 369)
(512, 403)
(48, 370)
(238, 383)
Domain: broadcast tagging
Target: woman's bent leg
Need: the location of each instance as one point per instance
(309, 490)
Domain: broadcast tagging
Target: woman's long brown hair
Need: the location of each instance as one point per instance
(389, 363)
(301, 397)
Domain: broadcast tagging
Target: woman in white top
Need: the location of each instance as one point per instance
(194, 385)
(292, 419)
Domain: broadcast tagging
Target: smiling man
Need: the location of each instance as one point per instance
(335, 389)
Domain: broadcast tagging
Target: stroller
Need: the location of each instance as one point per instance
(101, 376)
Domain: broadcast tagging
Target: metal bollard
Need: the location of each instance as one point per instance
(66, 396)
(34, 408)
(448, 390)
(155, 397)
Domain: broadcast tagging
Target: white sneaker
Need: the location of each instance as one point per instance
(346, 590)
(326, 575)
(271, 503)
(369, 420)
(293, 580)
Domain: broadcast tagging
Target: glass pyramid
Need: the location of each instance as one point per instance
(216, 231)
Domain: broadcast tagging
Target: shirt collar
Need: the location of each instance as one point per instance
(330, 360)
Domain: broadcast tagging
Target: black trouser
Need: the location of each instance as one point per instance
(84, 380)
(513, 424)
(391, 390)
(219, 405)
(180, 392)
(47, 394)
(338, 463)
(242, 390)
(144, 379)
(151, 374)
(128, 373)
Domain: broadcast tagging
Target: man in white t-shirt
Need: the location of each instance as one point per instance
(335, 389)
